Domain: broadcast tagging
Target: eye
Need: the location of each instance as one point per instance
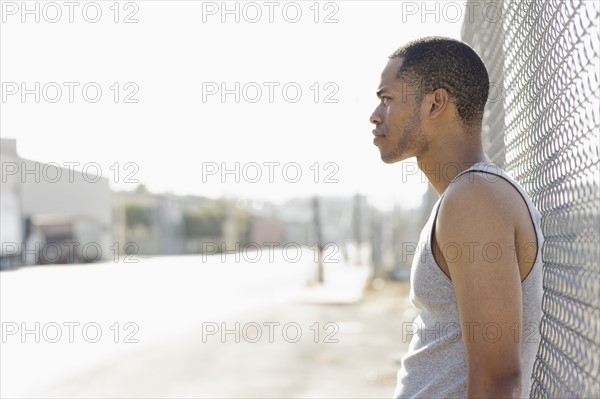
(384, 99)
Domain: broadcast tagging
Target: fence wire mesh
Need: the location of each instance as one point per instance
(542, 125)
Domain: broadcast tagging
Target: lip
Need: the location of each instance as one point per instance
(378, 137)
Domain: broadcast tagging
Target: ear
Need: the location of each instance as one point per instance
(439, 100)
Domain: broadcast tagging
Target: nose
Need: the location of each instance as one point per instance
(375, 117)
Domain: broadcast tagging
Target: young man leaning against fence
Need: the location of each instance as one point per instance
(476, 278)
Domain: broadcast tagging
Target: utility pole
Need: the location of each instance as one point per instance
(319, 237)
(357, 219)
(376, 238)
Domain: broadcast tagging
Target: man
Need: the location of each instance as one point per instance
(476, 277)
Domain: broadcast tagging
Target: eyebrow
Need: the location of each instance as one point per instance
(381, 91)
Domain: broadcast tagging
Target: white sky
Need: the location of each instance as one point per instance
(170, 133)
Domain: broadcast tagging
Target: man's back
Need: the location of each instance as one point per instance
(436, 362)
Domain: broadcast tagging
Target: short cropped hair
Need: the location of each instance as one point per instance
(435, 62)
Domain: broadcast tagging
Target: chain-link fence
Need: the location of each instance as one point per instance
(542, 125)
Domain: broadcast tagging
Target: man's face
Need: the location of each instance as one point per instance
(398, 130)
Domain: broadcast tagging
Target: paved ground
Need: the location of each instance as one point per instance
(164, 297)
(361, 364)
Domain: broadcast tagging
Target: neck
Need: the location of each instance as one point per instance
(444, 163)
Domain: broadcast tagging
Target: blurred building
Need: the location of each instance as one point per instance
(150, 224)
(11, 222)
(267, 231)
(52, 213)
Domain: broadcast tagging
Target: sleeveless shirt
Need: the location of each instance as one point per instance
(435, 364)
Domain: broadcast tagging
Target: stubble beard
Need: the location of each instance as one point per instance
(411, 142)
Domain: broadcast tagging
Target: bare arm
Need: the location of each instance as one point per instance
(476, 217)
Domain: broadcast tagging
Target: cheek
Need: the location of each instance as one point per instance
(396, 118)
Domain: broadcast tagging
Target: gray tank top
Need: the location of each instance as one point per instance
(435, 365)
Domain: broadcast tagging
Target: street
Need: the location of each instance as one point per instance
(189, 326)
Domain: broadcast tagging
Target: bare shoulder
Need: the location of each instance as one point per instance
(484, 209)
(482, 198)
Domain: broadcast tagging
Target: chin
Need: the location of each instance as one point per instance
(389, 159)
